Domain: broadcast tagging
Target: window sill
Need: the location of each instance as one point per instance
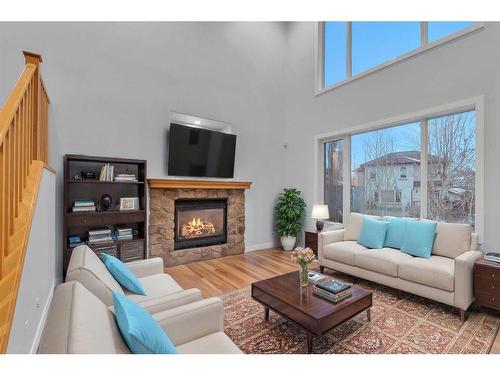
(450, 38)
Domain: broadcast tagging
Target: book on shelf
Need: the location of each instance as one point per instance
(492, 257)
(107, 172)
(74, 241)
(124, 177)
(84, 209)
(83, 203)
(333, 286)
(93, 232)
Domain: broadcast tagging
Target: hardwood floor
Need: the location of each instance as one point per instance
(219, 276)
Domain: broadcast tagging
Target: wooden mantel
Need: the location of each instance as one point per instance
(156, 183)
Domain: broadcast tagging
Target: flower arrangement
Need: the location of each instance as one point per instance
(303, 257)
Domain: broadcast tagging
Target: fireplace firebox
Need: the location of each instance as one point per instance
(200, 222)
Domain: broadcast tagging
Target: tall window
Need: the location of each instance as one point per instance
(374, 43)
(335, 52)
(439, 30)
(452, 168)
(333, 178)
(378, 160)
(351, 48)
(389, 167)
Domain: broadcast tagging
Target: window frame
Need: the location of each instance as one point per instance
(476, 104)
(424, 47)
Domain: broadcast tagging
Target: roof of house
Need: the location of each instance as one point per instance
(398, 158)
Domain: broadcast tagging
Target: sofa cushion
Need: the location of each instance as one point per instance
(436, 271)
(343, 251)
(155, 286)
(122, 274)
(353, 226)
(384, 260)
(373, 233)
(80, 323)
(215, 343)
(140, 331)
(419, 238)
(452, 239)
(395, 231)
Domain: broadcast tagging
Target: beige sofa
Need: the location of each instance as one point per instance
(80, 323)
(445, 277)
(162, 291)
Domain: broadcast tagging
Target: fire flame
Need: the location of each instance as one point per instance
(197, 227)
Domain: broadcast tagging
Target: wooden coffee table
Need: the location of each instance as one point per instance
(315, 315)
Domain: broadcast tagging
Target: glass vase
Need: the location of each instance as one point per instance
(304, 275)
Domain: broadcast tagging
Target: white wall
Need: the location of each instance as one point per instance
(39, 272)
(462, 69)
(112, 86)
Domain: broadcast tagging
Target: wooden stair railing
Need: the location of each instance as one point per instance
(23, 155)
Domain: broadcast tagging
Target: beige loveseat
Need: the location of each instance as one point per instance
(162, 291)
(80, 323)
(444, 277)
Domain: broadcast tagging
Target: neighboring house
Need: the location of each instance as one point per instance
(391, 183)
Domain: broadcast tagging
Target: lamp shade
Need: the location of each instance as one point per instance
(320, 211)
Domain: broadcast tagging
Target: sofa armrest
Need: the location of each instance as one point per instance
(464, 266)
(192, 321)
(170, 301)
(146, 267)
(328, 237)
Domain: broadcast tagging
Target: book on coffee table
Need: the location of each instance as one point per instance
(493, 257)
(333, 286)
(335, 298)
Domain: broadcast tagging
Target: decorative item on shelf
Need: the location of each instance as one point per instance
(290, 211)
(320, 212)
(129, 204)
(303, 257)
(88, 175)
(106, 202)
(77, 177)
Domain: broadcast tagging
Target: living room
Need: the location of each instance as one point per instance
(325, 185)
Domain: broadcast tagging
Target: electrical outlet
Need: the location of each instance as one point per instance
(37, 302)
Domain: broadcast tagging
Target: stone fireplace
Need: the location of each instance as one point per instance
(191, 220)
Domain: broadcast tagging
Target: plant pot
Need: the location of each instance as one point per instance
(288, 242)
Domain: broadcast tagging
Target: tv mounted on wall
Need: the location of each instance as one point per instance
(199, 152)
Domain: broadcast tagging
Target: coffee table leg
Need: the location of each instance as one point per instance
(369, 314)
(309, 343)
(266, 313)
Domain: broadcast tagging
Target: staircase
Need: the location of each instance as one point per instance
(23, 155)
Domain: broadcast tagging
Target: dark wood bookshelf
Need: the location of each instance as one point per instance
(79, 223)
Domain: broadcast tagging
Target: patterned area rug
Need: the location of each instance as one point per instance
(408, 325)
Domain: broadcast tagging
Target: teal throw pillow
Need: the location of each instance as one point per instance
(140, 331)
(373, 233)
(395, 231)
(419, 238)
(122, 274)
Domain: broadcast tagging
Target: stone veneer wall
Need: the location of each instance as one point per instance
(161, 225)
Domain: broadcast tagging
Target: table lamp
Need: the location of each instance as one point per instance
(319, 212)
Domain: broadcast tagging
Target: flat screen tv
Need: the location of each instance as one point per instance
(199, 152)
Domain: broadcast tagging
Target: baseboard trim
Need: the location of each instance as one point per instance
(41, 324)
(261, 246)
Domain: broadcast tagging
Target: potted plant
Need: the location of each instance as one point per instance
(290, 211)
